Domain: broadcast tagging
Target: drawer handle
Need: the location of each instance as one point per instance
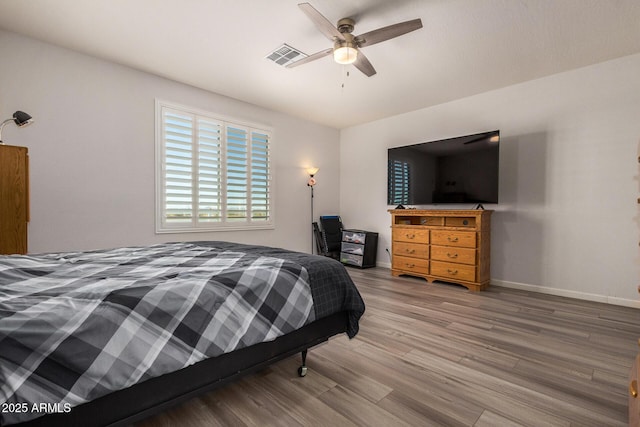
(633, 388)
(450, 271)
(410, 236)
(452, 239)
(452, 255)
(410, 265)
(411, 251)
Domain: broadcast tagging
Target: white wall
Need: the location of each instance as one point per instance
(567, 223)
(568, 220)
(92, 151)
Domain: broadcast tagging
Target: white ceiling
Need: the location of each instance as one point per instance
(465, 47)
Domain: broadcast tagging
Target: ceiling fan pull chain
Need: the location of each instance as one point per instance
(344, 67)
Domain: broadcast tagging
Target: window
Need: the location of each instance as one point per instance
(399, 182)
(212, 173)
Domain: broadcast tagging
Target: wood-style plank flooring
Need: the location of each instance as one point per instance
(439, 355)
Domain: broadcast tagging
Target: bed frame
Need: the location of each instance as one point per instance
(158, 394)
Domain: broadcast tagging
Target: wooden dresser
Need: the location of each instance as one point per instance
(14, 199)
(634, 399)
(447, 245)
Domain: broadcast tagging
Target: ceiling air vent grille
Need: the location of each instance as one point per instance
(285, 55)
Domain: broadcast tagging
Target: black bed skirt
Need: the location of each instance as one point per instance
(155, 395)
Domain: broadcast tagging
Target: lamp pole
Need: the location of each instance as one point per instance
(311, 218)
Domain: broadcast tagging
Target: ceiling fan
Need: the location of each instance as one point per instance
(346, 46)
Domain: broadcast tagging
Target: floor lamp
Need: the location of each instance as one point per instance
(311, 183)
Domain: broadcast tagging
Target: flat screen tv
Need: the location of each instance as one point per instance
(458, 170)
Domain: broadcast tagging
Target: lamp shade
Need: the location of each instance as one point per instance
(22, 119)
(312, 171)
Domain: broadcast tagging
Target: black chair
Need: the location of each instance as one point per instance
(330, 236)
(321, 247)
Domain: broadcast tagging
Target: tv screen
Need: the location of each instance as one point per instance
(455, 170)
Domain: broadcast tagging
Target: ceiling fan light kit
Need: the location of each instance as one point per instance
(344, 53)
(347, 47)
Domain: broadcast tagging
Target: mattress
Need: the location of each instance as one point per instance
(76, 326)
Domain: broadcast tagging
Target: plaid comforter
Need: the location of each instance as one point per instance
(77, 326)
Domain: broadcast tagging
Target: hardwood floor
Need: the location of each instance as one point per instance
(439, 355)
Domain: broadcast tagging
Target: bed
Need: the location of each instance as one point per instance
(110, 337)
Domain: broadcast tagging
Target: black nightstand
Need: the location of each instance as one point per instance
(359, 248)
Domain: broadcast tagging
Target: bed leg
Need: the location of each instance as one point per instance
(302, 370)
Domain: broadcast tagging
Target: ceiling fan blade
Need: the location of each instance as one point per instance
(322, 23)
(389, 32)
(363, 64)
(310, 58)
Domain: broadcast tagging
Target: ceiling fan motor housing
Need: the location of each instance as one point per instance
(346, 25)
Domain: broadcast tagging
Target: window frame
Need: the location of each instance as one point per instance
(196, 225)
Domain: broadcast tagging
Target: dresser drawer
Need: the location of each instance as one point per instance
(453, 271)
(410, 235)
(352, 259)
(454, 254)
(353, 236)
(413, 250)
(352, 248)
(462, 239)
(407, 264)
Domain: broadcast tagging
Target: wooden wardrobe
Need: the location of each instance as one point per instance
(14, 199)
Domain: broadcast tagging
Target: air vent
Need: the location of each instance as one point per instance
(285, 55)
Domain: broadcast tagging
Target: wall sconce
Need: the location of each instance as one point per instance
(20, 118)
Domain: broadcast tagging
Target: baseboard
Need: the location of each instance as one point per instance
(386, 265)
(567, 293)
(554, 291)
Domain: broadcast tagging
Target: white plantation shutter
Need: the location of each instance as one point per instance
(212, 174)
(237, 173)
(178, 168)
(260, 188)
(210, 197)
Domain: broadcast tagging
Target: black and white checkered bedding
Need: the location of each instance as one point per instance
(77, 326)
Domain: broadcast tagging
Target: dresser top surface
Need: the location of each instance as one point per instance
(441, 212)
